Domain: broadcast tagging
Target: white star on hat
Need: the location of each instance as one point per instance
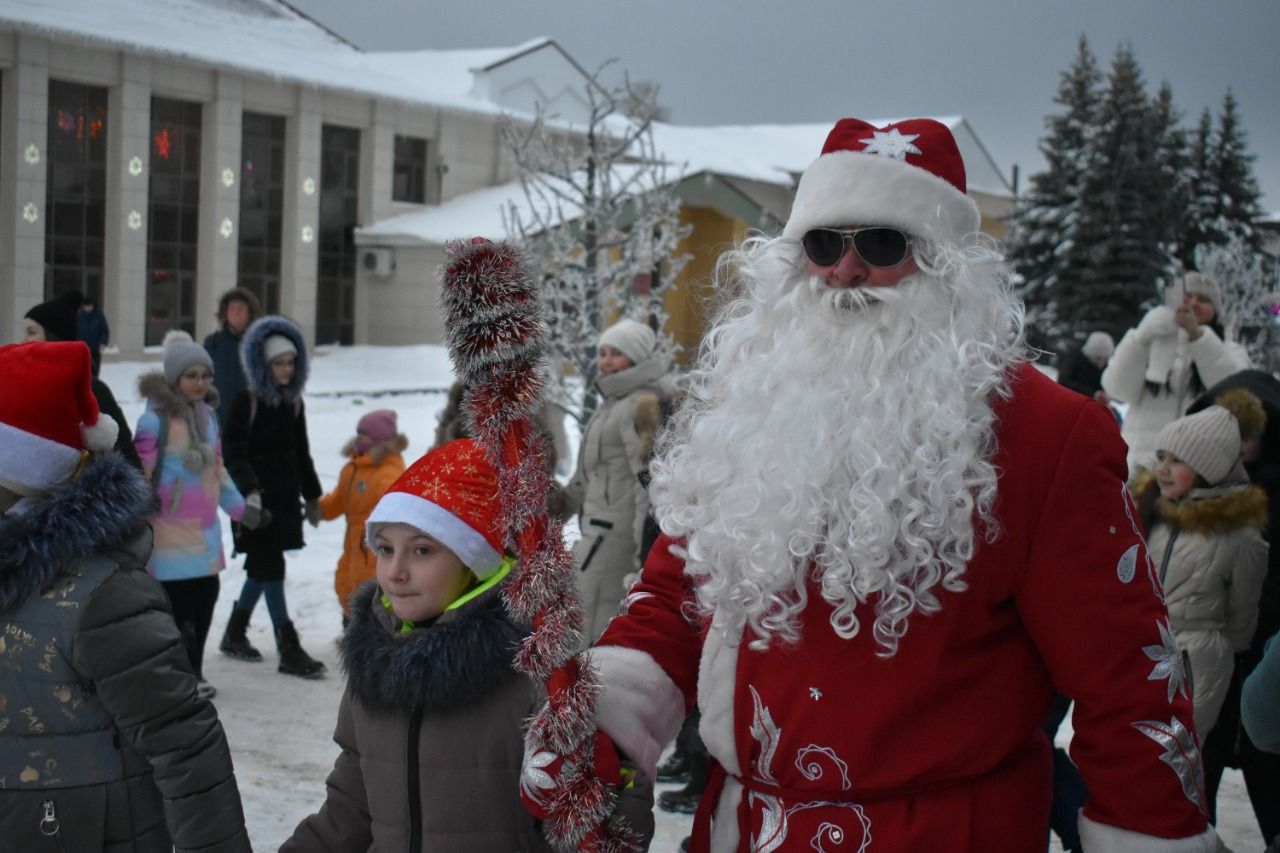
(892, 144)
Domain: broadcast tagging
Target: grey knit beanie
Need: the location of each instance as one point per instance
(1099, 345)
(633, 339)
(180, 352)
(1208, 441)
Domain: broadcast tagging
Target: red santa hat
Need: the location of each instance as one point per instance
(48, 414)
(451, 494)
(908, 174)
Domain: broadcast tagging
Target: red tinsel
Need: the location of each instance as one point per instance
(496, 339)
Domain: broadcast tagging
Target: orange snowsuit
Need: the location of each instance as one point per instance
(361, 484)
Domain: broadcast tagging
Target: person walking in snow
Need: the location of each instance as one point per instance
(888, 539)
(607, 490)
(374, 462)
(237, 308)
(178, 442)
(1161, 365)
(93, 329)
(1204, 523)
(105, 743)
(267, 452)
(430, 724)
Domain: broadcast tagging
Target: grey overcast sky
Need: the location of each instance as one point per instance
(996, 62)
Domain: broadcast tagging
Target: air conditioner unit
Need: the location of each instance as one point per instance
(378, 261)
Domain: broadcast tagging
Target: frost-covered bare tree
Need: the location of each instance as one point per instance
(1247, 291)
(599, 220)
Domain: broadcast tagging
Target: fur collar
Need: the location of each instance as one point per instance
(1216, 511)
(257, 369)
(104, 508)
(451, 663)
(166, 398)
(378, 452)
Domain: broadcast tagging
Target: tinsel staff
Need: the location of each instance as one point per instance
(497, 341)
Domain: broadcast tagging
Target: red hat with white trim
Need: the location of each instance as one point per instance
(908, 174)
(451, 494)
(48, 414)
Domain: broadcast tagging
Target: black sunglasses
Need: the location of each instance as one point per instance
(877, 245)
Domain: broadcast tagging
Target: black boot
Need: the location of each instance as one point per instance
(293, 660)
(234, 641)
(675, 768)
(685, 801)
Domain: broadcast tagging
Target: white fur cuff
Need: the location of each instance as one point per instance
(640, 707)
(1103, 838)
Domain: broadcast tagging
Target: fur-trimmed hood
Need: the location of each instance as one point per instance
(1209, 511)
(153, 387)
(103, 509)
(257, 369)
(452, 663)
(377, 452)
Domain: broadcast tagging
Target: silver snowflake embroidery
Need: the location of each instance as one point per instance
(1181, 753)
(815, 694)
(891, 144)
(1128, 565)
(534, 778)
(1168, 661)
(632, 598)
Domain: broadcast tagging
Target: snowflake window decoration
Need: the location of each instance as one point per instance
(30, 212)
(32, 154)
(228, 177)
(135, 166)
(135, 220)
(309, 186)
(226, 228)
(308, 233)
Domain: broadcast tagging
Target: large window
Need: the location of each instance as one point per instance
(409, 180)
(174, 205)
(261, 207)
(76, 189)
(339, 212)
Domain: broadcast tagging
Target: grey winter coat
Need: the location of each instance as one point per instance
(430, 728)
(607, 491)
(102, 735)
(1212, 576)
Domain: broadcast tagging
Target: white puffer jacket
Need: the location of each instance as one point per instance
(1157, 350)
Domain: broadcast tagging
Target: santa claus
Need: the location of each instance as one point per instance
(888, 541)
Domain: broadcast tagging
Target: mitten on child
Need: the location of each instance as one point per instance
(254, 514)
(1157, 323)
(313, 513)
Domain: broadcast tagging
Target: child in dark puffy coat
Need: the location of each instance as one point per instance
(430, 725)
(104, 742)
(267, 453)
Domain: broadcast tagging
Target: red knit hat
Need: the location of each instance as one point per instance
(451, 494)
(48, 414)
(908, 174)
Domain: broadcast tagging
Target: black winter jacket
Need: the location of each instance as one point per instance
(102, 736)
(223, 347)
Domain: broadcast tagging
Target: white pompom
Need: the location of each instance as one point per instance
(102, 435)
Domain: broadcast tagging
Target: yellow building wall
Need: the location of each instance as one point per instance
(692, 299)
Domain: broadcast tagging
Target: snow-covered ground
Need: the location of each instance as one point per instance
(280, 727)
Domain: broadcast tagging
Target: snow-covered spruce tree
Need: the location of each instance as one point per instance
(1043, 216)
(1173, 161)
(599, 222)
(1201, 192)
(1119, 257)
(1234, 187)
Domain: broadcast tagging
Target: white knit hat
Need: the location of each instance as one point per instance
(276, 346)
(633, 339)
(1208, 441)
(1099, 345)
(908, 174)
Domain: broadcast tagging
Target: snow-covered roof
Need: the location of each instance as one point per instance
(769, 153)
(265, 37)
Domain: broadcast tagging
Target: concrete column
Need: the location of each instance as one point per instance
(124, 273)
(299, 258)
(218, 253)
(23, 171)
(377, 162)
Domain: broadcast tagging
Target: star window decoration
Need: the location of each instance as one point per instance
(135, 166)
(227, 227)
(135, 220)
(30, 212)
(32, 154)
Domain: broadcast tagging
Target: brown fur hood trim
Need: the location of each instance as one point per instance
(379, 451)
(648, 417)
(153, 387)
(1219, 511)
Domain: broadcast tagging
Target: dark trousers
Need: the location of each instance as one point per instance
(192, 602)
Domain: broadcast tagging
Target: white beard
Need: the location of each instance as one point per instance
(847, 430)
